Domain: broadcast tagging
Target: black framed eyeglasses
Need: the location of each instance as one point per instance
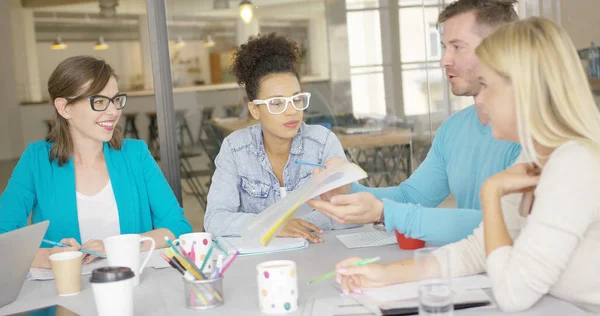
(100, 103)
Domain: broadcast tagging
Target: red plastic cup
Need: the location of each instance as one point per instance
(408, 243)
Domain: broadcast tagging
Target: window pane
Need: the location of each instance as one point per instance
(362, 4)
(368, 94)
(414, 86)
(364, 38)
(459, 103)
(414, 37)
(419, 2)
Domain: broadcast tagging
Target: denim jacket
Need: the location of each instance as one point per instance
(244, 183)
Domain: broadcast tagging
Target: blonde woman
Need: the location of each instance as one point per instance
(536, 93)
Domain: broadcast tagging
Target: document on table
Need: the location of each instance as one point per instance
(247, 247)
(403, 299)
(367, 239)
(411, 290)
(155, 261)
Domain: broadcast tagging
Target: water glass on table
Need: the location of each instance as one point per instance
(435, 288)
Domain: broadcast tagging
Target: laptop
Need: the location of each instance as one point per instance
(18, 248)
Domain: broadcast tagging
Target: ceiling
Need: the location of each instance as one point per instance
(283, 8)
(80, 20)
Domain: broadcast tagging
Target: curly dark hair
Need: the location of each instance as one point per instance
(261, 56)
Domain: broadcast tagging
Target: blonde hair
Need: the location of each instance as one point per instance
(552, 93)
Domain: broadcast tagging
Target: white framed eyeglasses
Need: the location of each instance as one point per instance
(279, 105)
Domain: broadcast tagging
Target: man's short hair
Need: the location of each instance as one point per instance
(489, 14)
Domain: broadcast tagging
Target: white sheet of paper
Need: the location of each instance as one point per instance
(46, 274)
(267, 223)
(411, 290)
(367, 239)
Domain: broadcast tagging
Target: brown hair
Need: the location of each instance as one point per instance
(488, 13)
(74, 79)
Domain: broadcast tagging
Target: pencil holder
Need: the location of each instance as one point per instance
(203, 294)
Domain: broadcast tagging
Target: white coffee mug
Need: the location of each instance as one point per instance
(201, 243)
(277, 287)
(124, 251)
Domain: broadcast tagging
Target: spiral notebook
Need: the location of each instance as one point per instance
(248, 247)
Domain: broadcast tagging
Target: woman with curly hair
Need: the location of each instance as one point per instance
(255, 166)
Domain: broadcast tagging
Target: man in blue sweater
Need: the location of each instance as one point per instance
(463, 154)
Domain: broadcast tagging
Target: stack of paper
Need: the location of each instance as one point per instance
(248, 247)
(402, 299)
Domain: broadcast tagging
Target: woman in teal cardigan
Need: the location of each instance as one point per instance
(88, 181)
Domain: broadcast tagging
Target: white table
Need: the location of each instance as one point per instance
(161, 291)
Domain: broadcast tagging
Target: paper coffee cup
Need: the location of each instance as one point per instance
(277, 287)
(66, 267)
(113, 291)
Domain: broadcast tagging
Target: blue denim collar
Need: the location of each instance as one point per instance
(297, 147)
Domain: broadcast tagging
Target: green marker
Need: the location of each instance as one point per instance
(357, 264)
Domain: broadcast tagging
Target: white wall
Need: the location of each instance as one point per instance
(11, 140)
(580, 19)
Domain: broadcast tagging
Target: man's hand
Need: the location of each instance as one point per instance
(357, 208)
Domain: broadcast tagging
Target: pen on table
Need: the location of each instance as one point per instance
(298, 162)
(50, 242)
(357, 264)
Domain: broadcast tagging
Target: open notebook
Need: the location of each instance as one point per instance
(248, 247)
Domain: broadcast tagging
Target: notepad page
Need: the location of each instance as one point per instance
(248, 247)
(367, 239)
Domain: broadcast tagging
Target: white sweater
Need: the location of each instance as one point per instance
(557, 250)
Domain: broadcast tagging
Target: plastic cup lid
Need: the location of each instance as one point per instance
(111, 274)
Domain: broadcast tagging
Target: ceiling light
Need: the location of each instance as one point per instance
(58, 44)
(246, 11)
(179, 42)
(100, 44)
(209, 42)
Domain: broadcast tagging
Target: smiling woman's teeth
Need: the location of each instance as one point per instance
(105, 124)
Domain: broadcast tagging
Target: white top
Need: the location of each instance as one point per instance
(282, 192)
(557, 250)
(98, 215)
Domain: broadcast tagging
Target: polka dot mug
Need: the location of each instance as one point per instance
(199, 243)
(277, 287)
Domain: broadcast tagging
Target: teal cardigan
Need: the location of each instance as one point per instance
(39, 186)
